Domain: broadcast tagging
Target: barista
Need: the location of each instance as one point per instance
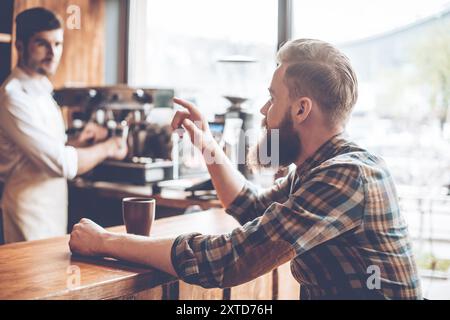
(35, 157)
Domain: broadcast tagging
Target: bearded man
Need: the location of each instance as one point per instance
(335, 217)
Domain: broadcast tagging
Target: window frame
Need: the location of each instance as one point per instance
(284, 33)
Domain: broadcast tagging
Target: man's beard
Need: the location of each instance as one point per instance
(288, 144)
(48, 72)
(36, 65)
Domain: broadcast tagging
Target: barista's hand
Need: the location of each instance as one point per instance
(116, 148)
(92, 132)
(87, 238)
(195, 124)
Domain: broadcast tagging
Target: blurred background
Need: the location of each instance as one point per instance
(207, 50)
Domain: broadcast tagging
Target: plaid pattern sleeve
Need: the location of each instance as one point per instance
(327, 205)
(253, 201)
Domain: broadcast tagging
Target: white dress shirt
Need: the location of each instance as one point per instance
(34, 160)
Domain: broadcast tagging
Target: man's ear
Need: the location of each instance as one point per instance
(302, 108)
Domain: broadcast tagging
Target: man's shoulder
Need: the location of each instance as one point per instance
(12, 83)
(355, 160)
(12, 93)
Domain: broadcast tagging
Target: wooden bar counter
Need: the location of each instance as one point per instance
(45, 269)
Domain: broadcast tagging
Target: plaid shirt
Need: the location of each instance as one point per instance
(336, 218)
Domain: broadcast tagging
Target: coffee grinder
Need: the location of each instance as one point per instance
(237, 69)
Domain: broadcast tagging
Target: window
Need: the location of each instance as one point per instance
(205, 50)
(179, 44)
(401, 53)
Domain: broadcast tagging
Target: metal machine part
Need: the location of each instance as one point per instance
(125, 112)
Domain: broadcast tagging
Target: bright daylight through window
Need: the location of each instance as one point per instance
(400, 50)
(401, 53)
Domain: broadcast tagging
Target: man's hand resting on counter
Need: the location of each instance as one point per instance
(87, 238)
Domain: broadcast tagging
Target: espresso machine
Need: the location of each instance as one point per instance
(126, 112)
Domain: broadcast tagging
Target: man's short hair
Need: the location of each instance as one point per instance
(35, 20)
(318, 70)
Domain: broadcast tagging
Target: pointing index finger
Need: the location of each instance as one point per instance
(189, 106)
(183, 103)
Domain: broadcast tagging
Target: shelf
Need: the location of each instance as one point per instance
(5, 38)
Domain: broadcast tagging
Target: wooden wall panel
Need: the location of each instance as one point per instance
(6, 12)
(82, 63)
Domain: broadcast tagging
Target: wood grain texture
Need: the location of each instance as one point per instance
(84, 49)
(149, 294)
(288, 287)
(193, 292)
(258, 289)
(42, 269)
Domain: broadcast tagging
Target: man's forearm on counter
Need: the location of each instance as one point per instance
(153, 252)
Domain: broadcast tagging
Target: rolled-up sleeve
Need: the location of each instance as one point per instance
(323, 208)
(47, 152)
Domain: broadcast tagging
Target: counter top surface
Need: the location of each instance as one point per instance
(45, 269)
